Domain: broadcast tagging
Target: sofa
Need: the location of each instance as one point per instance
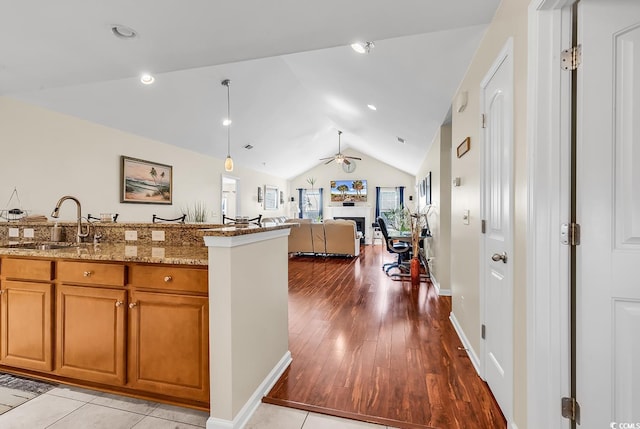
(331, 237)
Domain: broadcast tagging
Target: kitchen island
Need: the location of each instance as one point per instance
(152, 320)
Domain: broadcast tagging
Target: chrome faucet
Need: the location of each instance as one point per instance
(56, 212)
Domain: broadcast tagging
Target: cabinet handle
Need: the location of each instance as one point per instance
(1, 291)
(133, 304)
(87, 274)
(119, 303)
(167, 279)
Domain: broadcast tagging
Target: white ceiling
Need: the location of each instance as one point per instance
(295, 80)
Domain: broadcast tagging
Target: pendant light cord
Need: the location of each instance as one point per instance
(228, 118)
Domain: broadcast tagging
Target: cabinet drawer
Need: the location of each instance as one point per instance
(27, 269)
(91, 273)
(170, 277)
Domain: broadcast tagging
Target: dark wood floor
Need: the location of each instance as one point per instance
(369, 348)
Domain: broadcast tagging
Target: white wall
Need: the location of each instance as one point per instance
(510, 21)
(46, 155)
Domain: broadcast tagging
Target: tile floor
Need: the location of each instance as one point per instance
(72, 408)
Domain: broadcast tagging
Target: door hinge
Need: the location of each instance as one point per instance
(483, 120)
(483, 331)
(483, 226)
(570, 234)
(571, 409)
(571, 58)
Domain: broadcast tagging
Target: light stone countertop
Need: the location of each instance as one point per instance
(121, 252)
(144, 252)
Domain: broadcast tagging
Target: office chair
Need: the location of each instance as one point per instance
(400, 248)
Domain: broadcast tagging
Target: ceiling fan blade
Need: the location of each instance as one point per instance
(354, 157)
(324, 159)
(329, 162)
(346, 161)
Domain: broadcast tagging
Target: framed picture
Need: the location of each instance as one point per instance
(427, 189)
(259, 194)
(463, 147)
(271, 197)
(145, 182)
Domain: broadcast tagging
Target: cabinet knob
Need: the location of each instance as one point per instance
(87, 273)
(1, 291)
(119, 303)
(133, 304)
(167, 279)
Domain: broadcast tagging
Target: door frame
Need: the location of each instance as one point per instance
(505, 52)
(549, 200)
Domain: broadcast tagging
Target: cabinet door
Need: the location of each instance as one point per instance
(27, 312)
(169, 345)
(90, 341)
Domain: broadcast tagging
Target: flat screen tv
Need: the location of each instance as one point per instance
(349, 191)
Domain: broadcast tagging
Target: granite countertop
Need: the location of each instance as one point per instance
(123, 252)
(235, 230)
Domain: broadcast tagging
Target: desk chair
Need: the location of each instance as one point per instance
(400, 248)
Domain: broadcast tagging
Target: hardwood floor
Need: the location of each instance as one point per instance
(369, 348)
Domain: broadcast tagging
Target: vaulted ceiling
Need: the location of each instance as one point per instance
(294, 79)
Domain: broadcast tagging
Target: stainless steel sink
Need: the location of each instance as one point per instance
(39, 246)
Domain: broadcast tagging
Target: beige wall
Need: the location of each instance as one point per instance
(510, 21)
(48, 154)
(438, 162)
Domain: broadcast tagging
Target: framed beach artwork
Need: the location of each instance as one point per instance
(145, 182)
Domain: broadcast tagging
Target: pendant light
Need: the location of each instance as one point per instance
(228, 163)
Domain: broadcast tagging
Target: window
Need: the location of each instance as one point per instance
(389, 199)
(310, 203)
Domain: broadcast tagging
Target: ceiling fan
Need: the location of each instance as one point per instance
(339, 158)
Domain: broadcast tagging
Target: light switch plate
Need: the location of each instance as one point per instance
(14, 232)
(130, 250)
(28, 233)
(131, 235)
(157, 235)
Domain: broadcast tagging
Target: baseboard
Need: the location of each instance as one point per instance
(465, 342)
(243, 416)
(439, 290)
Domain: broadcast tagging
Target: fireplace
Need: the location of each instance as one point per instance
(360, 223)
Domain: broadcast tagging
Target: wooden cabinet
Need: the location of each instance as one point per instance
(90, 340)
(142, 329)
(26, 328)
(169, 345)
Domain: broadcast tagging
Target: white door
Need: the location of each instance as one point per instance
(608, 210)
(497, 241)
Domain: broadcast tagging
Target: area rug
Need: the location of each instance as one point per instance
(16, 390)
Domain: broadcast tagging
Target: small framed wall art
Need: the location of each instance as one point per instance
(463, 147)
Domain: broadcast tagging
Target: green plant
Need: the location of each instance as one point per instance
(197, 212)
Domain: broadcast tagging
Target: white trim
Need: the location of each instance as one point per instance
(548, 146)
(436, 285)
(241, 240)
(465, 342)
(511, 425)
(245, 413)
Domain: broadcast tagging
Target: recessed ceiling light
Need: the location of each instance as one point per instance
(226, 122)
(362, 47)
(147, 79)
(123, 32)
(372, 107)
(248, 146)
(400, 140)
